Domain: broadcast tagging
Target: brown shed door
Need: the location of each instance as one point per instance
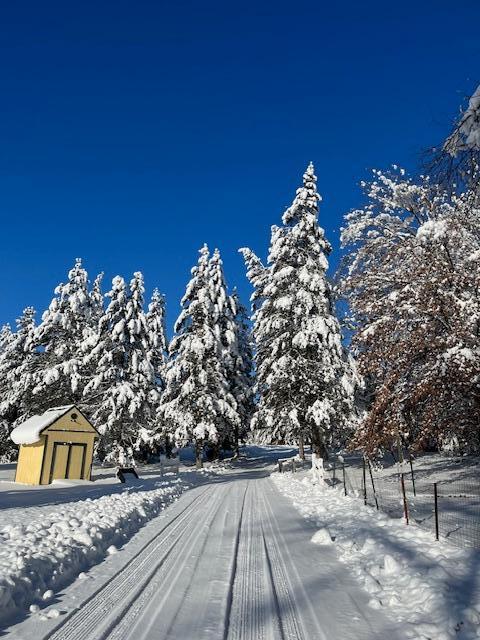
(68, 461)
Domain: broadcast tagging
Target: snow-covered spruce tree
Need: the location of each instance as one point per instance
(223, 322)
(6, 445)
(300, 361)
(62, 335)
(96, 301)
(242, 380)
(412, 280)
(196, 403)
(124, 386)
(18, 362)
(157, 338)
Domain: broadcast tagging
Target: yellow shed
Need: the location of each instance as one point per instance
(56, 445)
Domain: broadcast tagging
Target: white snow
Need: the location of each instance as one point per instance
(431, 589)
(230, 559)
(39, 558)
(29, 431)
(432, 231)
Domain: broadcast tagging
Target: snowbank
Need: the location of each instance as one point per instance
(430, 588)
(38, 559)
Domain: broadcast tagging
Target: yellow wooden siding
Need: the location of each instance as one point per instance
(67, 436)
(59, 462)
(35, 460)
(65, 423)
(29, 464)
(77, 461)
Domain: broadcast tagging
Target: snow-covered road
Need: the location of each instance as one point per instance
(230, 559)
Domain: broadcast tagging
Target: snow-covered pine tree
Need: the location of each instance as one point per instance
(18, 362)
(96, 301)
(157, 337)
(300, 360)
(6, 418)
(242, 380)
(223, 322)
(62, 335)
(195, 405)
(124, 380)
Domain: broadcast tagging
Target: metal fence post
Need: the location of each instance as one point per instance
(293, 465)
(279, 467)
(333, 478)
(435, 495)
(405, 506)
(364, 482)
(413, 477)
(344, 479)
(373, 484)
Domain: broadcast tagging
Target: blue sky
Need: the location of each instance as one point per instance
(133, 132)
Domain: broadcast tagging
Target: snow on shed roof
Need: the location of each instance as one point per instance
(29, 431)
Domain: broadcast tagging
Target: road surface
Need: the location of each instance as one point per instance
(231, 560)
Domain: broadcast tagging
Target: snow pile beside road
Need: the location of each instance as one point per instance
(38, 559)
(430, 588)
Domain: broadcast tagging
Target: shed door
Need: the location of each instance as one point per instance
(76, 461)
(59, 461)
(68, 461)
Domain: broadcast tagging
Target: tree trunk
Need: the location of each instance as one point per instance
(236, 445)
(318, 444)
(198, 456)
(301, 448)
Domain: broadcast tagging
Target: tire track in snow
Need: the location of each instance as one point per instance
(252, 615)
(165, 579)
(291, 596)
(88, 622)
(282, 588)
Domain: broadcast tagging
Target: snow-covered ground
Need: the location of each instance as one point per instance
(45, 547)
(229, 559)
(458, 492)
(431, 589)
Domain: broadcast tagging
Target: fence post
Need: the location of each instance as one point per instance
(279, 467)
(293, 465)
(405, 506)
(333, 479)
(373, 484)
(435, 494)
(413, 477)
(364, 482)
(344, 479)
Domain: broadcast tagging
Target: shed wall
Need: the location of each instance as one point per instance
(29, 466)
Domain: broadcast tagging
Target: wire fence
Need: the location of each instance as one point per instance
(449, 509)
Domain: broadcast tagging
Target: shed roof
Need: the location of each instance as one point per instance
(29, 431)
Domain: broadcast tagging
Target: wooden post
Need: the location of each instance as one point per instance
(435, 495)
(405, 506)
(333, 478)
(344, 479)
(293, 465)
(279, 467)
